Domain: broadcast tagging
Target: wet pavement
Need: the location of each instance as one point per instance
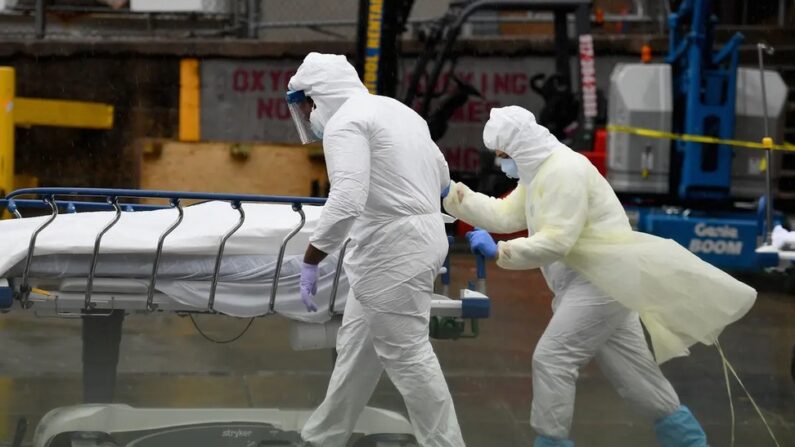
(166, 363)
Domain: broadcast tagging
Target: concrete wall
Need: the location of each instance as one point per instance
(144, 92)
(141, 80)
(233, 168)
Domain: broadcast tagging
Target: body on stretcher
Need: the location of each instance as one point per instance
(241, 260)
(236, 255)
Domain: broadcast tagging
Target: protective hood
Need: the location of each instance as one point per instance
(515, 131)
(329, 80)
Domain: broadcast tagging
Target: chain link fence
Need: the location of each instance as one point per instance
(289, 20)
(313, 20)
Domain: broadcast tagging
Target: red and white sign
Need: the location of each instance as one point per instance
(588, 73)
(501, 82)
(244, 101)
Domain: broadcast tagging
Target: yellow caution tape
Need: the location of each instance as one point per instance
(766, 143)
(38, 291)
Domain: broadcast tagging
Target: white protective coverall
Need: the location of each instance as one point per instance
(602, 273)
(386, 177)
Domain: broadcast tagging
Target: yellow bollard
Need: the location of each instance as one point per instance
(6, 130)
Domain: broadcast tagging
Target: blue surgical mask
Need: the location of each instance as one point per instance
(508, 166)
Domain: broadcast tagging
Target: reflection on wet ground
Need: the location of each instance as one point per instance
(165, 363)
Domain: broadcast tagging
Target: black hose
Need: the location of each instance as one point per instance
(221, 342)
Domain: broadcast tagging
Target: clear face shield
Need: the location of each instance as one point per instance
(300, 107)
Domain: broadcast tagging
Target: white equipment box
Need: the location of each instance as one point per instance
(7, 4)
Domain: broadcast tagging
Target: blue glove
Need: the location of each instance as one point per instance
(481, 243)
(446, 190)
(308, 286)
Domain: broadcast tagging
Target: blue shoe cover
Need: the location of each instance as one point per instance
(680, 429)
(544, 441)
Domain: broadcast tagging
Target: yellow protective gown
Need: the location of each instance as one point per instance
(574, 217)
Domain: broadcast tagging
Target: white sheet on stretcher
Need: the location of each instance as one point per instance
(783, 239)
(200, 233)
(246, 298)
(244, 293)
(137, 232)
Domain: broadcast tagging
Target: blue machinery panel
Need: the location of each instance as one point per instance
(727, 241)
(704, 84)
(704, 89)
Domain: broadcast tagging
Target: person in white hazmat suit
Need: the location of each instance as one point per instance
(386, 178)
(604, 277)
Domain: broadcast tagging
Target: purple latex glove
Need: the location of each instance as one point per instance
(309, 286)
(481, 242)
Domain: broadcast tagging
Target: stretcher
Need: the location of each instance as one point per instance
(118, 425)
(232, 255)
(227, 254)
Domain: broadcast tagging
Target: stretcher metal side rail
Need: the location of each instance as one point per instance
(48, 199)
